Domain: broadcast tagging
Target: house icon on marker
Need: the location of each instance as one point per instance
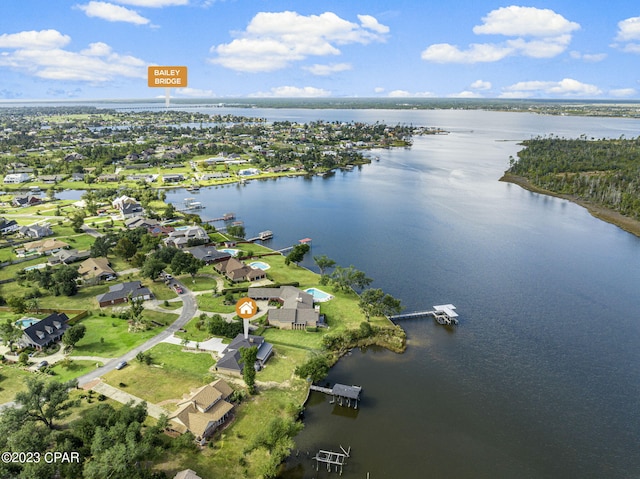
(246, 307)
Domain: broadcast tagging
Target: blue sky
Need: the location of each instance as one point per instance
(90, 49)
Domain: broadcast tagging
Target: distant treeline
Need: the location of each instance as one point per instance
(605, 172)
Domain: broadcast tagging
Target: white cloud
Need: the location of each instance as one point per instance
(628, 30)
(565, 87)
(325, 70)
(539, 33)
(623, 92)
(588, 57)
(481, 85)
(273, 41)
(292, 92)
(378, 89)
(112, 13)
(153, 3)
(407, 94)
(43, 39)
(517, 21)
(445, 53)
(466, 94)
(40, 54)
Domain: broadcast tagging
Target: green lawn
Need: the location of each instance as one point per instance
(160, 290)
(206, 302)
(300, 339)
(109, 337)
(192, 333)
(11, 381)
(201, 283)
(75, 369)
(282, 364)
(172, 374)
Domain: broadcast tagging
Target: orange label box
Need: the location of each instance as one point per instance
(167, 76)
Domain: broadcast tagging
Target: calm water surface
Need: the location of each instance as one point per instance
(542, 377)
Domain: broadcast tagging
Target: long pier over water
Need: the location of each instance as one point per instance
(444, 314)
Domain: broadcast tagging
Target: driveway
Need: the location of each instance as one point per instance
(122, 397)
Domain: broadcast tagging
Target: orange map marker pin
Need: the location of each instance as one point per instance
(246, 308)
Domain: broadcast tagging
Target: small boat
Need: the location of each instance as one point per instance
(193, 188)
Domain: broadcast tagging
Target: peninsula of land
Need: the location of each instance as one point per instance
(598, 174)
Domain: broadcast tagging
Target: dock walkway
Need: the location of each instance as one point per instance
(444, 314)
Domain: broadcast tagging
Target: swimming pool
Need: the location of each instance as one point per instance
(318, 295)
(232, 252)
(26, 322)
(260, 265)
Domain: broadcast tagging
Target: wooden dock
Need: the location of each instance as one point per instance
(225, 217)
(443, 314)
(331, 458)
(342, 394)
(262, 236)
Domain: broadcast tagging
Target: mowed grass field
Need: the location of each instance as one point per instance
(172, 374)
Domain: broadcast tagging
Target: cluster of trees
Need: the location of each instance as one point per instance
(110, 442)
(297, 254)
(316, 368)
(179, 261)
(59, 281)
(604, 172)
(217, 326)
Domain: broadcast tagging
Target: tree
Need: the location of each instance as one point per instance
(236, 231)
(135, 313)
(315, 368)
(102, 245)
(152, 267)
(185, 263)
(297, 253)
(125, 248)
(17, 304)
(64, 280)
(46, 401)
(77, 220)
(169, 211)
(374, 302)
(74, 334)
(324, 262)
(248, 358)
(10, 332)
(349, 278)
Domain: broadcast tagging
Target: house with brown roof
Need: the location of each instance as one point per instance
(94, 270)
(204, 411)
(46, 246)
(236, 271)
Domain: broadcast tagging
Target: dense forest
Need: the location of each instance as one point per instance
(604, 172)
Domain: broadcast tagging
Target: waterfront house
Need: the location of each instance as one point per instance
(208, 254)
(25, 200)
(297, 310)
(173, 178)
(46, 331)
(203, 411)
(236, 271)
(229, 361)
(15, 178)
(180, 238)
(120, 293)
(140, 222)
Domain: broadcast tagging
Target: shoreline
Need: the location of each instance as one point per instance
(605, 214)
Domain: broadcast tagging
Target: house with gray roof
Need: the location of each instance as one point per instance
(208, 254)
(119, 293)
(229, 362)
(36, 231)
(297, 309)
(46, 331)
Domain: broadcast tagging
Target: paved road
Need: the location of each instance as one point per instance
(189, 308)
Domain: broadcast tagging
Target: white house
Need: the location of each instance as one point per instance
(16, 178)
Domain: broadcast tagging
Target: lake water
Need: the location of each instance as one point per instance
(542, 376)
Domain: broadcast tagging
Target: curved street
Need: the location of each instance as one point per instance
(189, 308)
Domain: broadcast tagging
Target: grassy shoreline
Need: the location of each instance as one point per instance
(628, 224)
